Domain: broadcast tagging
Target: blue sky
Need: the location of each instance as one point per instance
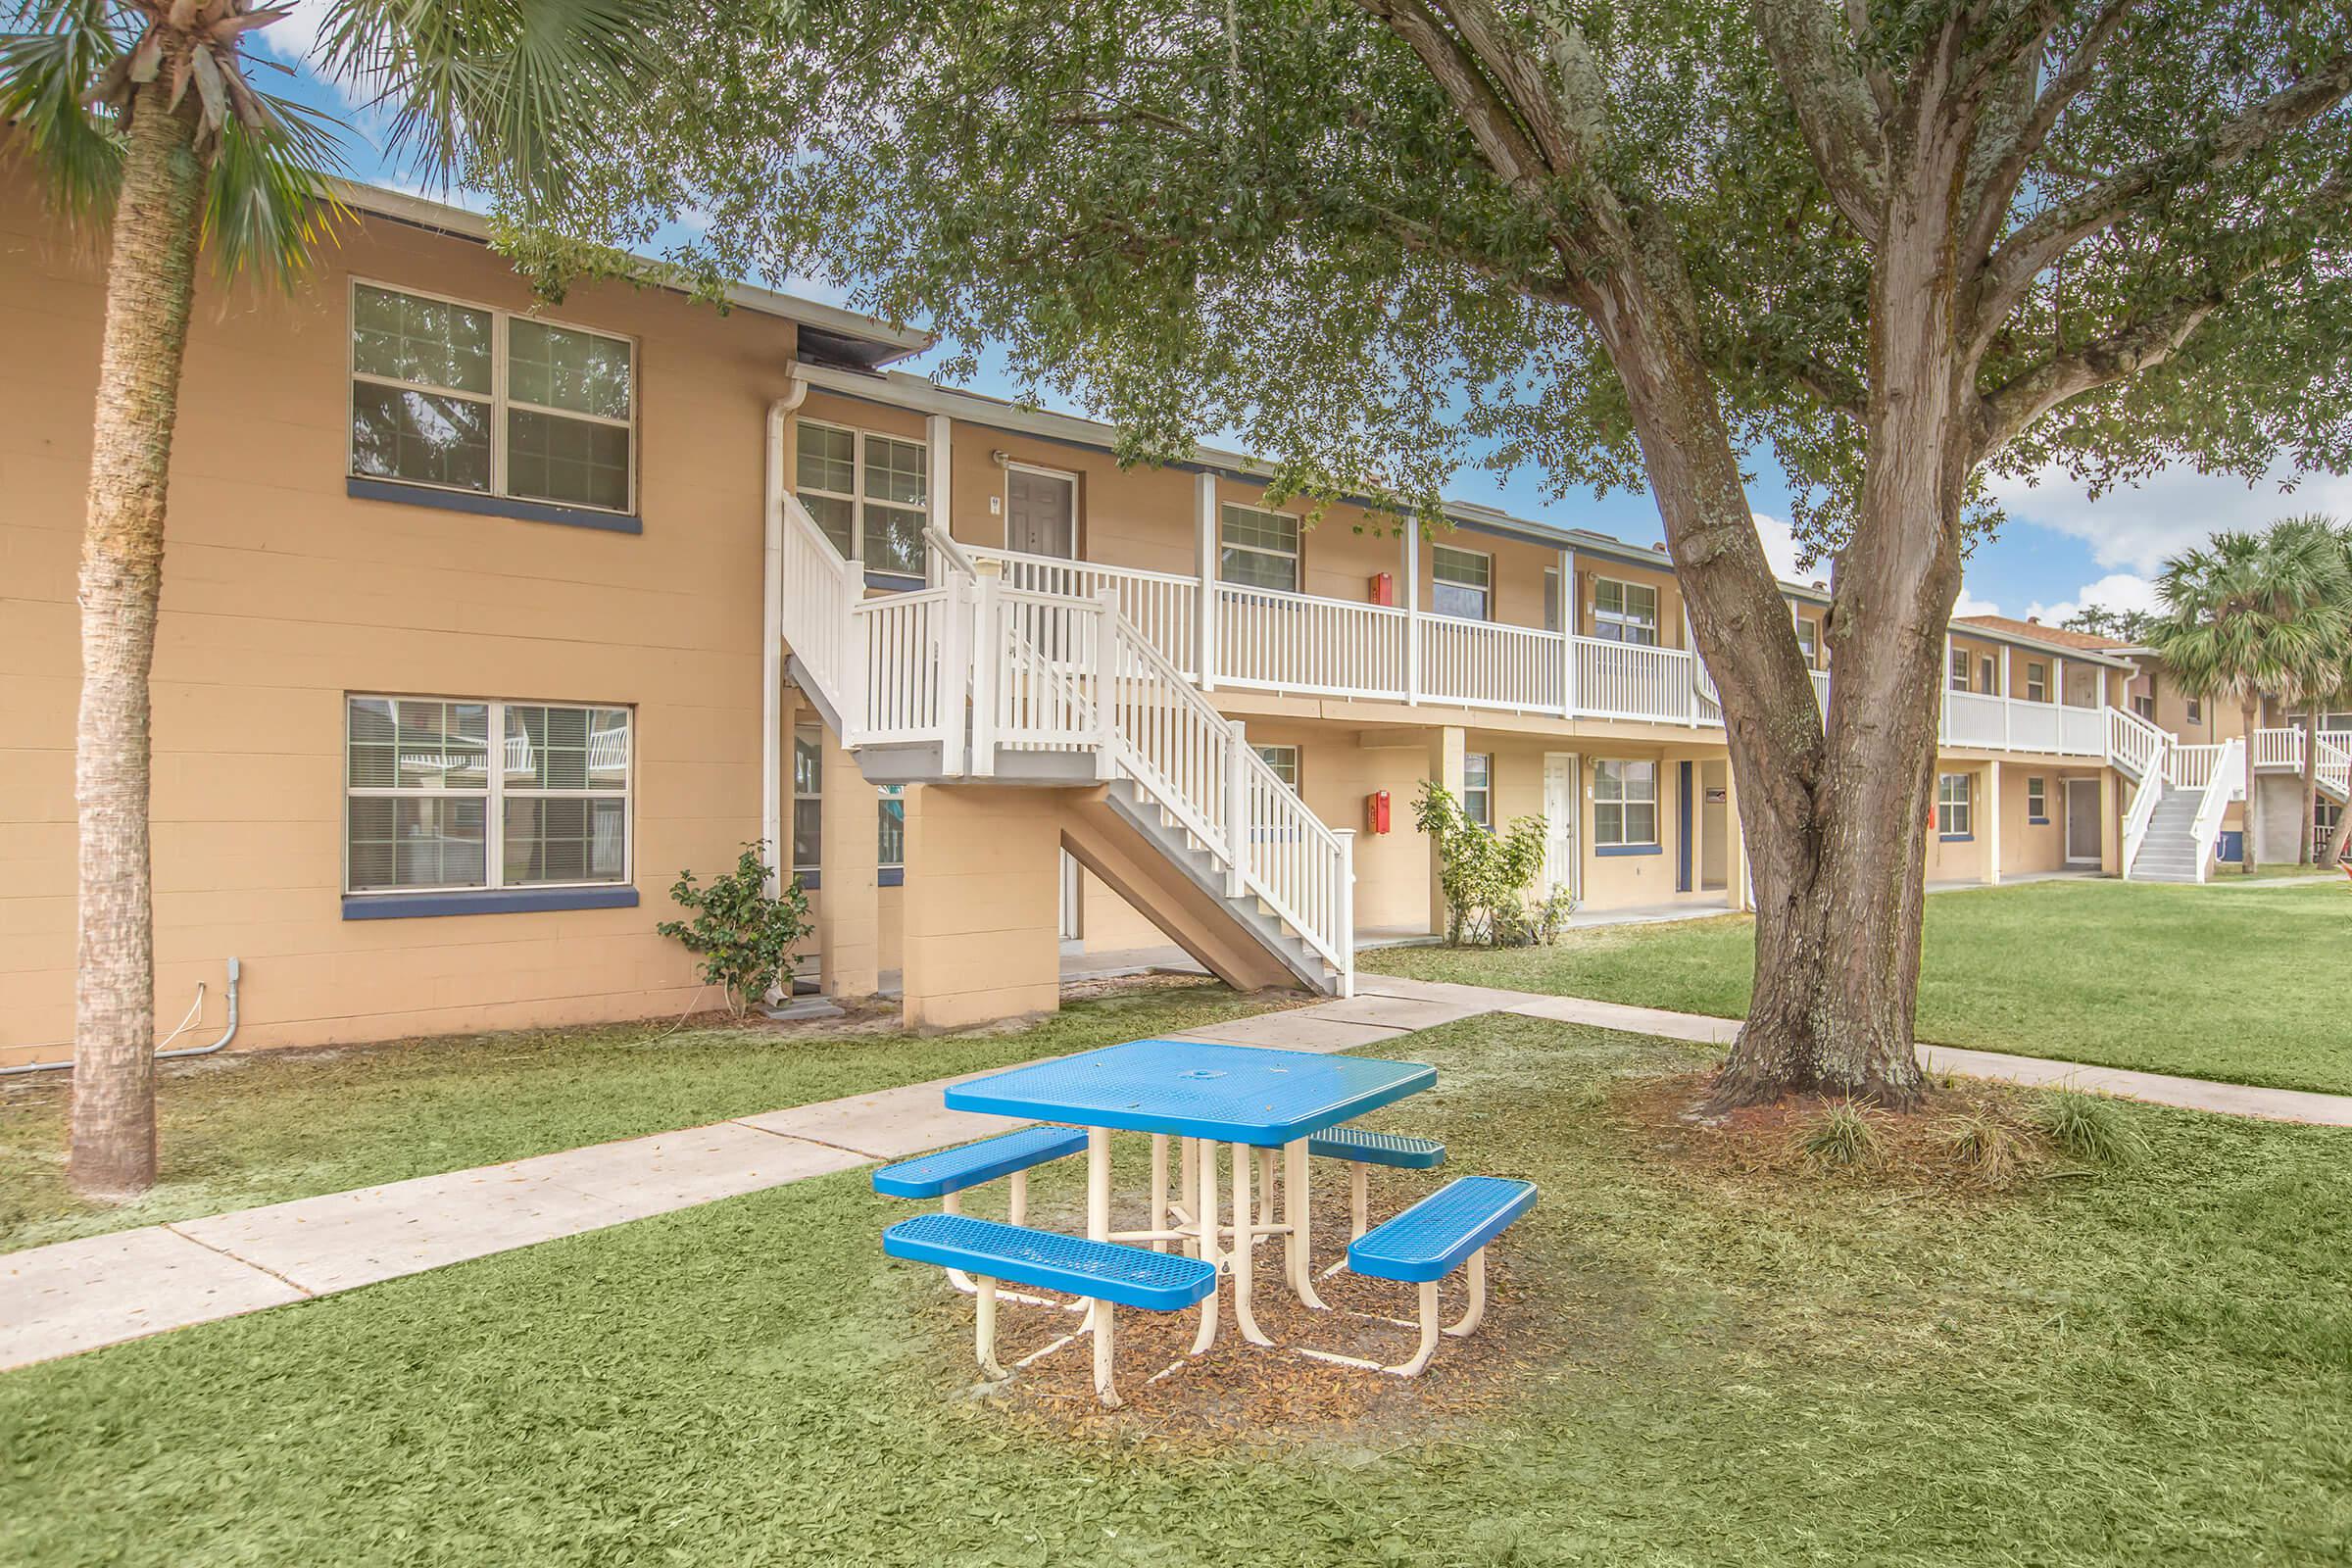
(2058, 551)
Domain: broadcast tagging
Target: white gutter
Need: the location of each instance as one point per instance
(772, 639)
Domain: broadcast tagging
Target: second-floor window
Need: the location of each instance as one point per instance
(1283, 759)
(1478, 788)
(1461, 583)
(1625, 612)
(2194, 710)
(1808, 639)
(870, 493)
(1552, 599)
(1953, 818)
(1625, 803)
(2038, 682)
(1257, 548)
(462, 396)
(1959, 671)
(1987, 681)
(2145, 706)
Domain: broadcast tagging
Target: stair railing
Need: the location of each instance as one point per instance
(2227, 781)
(2155, 767)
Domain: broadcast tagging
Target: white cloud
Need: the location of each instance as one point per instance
(1969, 603)
(2137, 527)
(2117, 591)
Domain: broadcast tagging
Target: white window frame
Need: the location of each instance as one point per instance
(1286, 751)
(1484, 592)
(885, 797)
(1988, 679)
(2037, 681)
(1808, 639)
(1554, 601)
(2193, 709)
(1484, 816)
(499, 402)
(792, 826)
(857, 496)
(1955, 807)
(1296, 555)
(1620, 621)
(1618, 768)
(2037, 799)
(495, 793)
(1957, 675)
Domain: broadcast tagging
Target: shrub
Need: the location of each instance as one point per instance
(1484, 876)
(744, 936)
(2091, 1128)
(1840, 1136)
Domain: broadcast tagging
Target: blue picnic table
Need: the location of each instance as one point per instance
(1255, 1101)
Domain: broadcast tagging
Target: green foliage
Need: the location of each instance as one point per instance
(1840, 1136)
(2091, 1128)
(1484, 876)
(743, 934)
(2250, 616)
(1984, 1146)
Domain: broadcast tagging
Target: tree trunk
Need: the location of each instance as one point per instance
(2311, 784)
(2253, 815)
(149, 288)
(2335, 852)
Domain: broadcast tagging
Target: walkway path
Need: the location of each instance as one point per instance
(79, 1295)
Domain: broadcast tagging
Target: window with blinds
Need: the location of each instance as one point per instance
(1461, 583)
(445, 793)
(1625, 612)
(464, 397)
(1257, 548)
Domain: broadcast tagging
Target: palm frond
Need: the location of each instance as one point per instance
(267, 204)
(46, 71)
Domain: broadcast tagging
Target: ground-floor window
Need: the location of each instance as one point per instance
(1478, 788)
(807, 797)
(890, 837)
(445, 793)
(1283, 759)
(1954, 816)
(2037, 800)
(1625, 803)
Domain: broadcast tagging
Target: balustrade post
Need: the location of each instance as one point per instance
(1412, 611)
(1204, 630)
(988, 662)
(1107, 682)
(1568, 608)
(954, 669)
(1237, 808)
(1344, 910)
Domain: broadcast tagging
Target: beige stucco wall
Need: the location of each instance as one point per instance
(983, 885)
(281, 595)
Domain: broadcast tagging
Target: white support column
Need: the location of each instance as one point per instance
(1106, 684)
(1237, 809)
(1412, 611)
(942, 438)
(1993, 818)
(1943, 681)
(1205, 632)
(1568, 608)
(987, 653)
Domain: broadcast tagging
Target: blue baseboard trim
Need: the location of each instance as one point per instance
(809, 881)
(1628, 848)
(483, 900)
(891, 876)
(1957, 838)
(895, 582)
(482, 506)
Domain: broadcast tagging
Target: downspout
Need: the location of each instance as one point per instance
(771, 641)
(221, 1044)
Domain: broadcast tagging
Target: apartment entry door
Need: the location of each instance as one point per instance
(1041, 512)
(1562, 793)
(2083, 821)
(1714, 824)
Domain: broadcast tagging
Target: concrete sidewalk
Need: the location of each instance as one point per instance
(79, 1295)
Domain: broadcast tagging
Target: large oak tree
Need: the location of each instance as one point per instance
(1892, 244)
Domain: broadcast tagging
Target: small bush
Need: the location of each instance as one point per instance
(2092, 1129)
(744, 936)
(1840, 1136)
(1983, 1146)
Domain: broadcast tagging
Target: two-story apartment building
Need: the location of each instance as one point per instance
(483, 618)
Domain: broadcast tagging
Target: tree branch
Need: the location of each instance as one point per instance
(2009, 271)
(1835, 107)
(2065, 85)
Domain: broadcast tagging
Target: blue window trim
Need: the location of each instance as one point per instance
(1628, 848)
(894, 582)
(809, 880)
(482, 506)
(483, 900)
(1957, 838)
(890, 877)
(2039, 821)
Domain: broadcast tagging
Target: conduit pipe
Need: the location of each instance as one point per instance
(221, 1044)
(771, 641)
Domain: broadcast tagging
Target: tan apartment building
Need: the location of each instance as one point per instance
(485, 617)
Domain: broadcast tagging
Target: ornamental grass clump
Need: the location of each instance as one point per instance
(1841, 1137)
(2095, 1130)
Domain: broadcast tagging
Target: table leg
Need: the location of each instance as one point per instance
(1243, 1157)
(1297, 1243)
(1159, 1188)
(1098, 1184)
(1203, 1168)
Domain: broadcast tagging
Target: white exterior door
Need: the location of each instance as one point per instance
(1041, 512)
(1561, 788)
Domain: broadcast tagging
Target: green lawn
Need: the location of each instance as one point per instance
(2239, 983)
(262, 1127)
(2112, 1367)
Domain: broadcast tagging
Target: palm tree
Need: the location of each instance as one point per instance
(140, 114)
(2254, 616)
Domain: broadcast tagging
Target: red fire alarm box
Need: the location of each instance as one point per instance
(1384, 589)
(1376, 811)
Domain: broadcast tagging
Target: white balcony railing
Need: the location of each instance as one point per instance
(1288, 642)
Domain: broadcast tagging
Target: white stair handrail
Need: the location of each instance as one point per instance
(2154, 768)
(820, 591)
(2227, 783)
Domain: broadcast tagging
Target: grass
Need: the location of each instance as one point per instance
(2235, 985)
(2126, 1365)
(262, 1127)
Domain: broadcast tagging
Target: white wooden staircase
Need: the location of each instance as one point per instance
(973, 682)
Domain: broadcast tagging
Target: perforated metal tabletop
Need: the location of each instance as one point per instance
(1231, 1094)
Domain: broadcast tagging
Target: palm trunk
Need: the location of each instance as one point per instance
(2335, 852)
(2253, 821)
(2311, 784)
(149, 288)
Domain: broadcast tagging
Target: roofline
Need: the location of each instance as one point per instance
(906, 390)
(1997, 634)
(443, 217)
